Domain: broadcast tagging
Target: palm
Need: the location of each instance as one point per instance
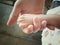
(28, 23)
(25, 7)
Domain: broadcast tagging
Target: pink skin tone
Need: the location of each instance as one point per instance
(27, 7)
(32, 24)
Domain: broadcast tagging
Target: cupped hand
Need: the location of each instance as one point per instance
(31, 23)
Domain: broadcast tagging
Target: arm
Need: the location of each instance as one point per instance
(53, 20)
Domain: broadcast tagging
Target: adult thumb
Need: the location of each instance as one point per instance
(12, 19)
(14, 14)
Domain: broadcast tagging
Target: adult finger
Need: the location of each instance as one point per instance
(37, 24)
(20, 19)
(43, 24)
(23, 25)
(28, 30)
(14, 14)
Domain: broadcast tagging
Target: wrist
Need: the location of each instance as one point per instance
(50, 20)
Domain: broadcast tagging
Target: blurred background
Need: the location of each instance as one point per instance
(13, 35)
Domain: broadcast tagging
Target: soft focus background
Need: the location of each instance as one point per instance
(13, 35)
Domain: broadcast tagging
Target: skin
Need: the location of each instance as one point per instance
(21, 7)
(25, 7)
(30, 24)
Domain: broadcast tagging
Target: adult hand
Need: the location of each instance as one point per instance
(15, 13)
(25, 7)
(18, 8)
(31, 23)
